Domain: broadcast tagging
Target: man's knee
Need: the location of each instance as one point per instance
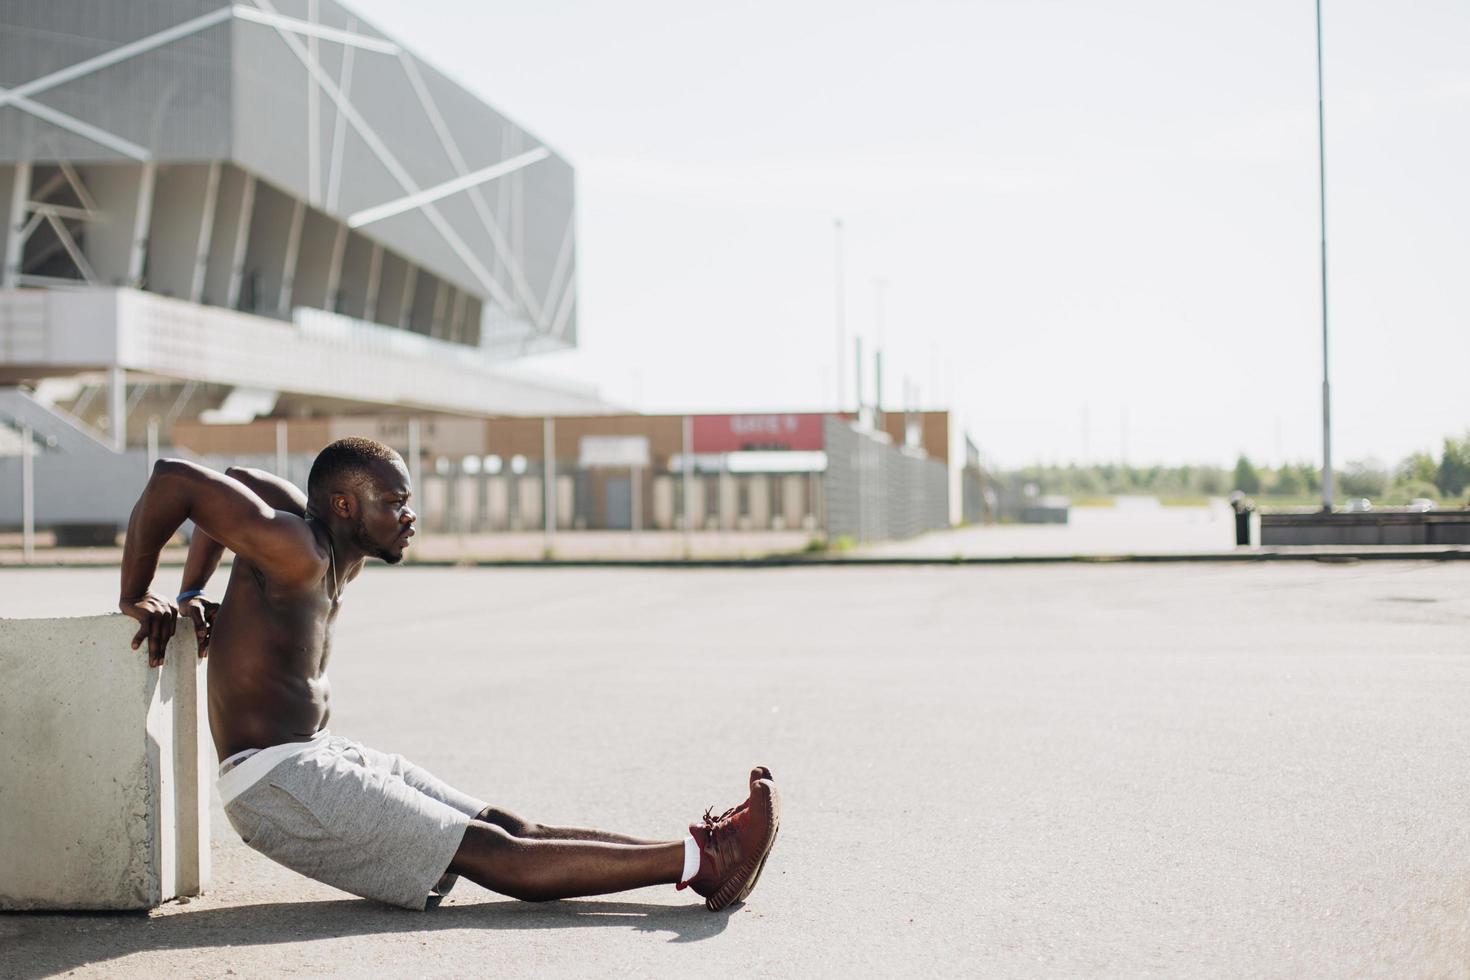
(494, 858)
(510, 823)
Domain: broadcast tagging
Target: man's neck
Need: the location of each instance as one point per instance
(345, 555)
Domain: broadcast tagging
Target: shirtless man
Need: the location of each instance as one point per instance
(361, 820)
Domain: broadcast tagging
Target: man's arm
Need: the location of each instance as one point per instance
(205, 552)
(277, 492)
(204, 556)
(279, 543)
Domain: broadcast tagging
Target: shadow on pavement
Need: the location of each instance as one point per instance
(40, 945)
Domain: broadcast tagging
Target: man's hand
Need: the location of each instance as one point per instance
(201, 611)
(158, 617)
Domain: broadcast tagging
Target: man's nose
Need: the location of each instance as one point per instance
(408, 518)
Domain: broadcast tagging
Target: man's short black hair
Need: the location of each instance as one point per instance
(345, 459)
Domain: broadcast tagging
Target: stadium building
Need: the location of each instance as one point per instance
(225, 210)
(267, 206)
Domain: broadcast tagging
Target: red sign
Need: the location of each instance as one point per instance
(737, 433)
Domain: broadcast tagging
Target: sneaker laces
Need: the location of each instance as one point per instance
(710, 821)
(723, 837)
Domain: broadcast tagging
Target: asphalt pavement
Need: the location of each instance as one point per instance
(1071, 770)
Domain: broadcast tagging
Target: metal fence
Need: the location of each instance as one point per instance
(475, 494)
(876, 491)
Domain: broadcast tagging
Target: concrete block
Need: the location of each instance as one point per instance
(105, 767)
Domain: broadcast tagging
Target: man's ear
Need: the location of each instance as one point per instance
(343, 505)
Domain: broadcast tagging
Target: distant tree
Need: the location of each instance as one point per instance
(1453, 473)
(1363, 478)
(1247, 480)
(1417, 468)
(1089, 482)
(1289, 481)
(1211, 480)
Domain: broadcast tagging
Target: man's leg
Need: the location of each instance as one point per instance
(518, 826)
(539, 870)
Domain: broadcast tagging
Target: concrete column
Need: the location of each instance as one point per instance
(415, 470)
(289, 260)
(206, 233)
(374, 283)
(142, 219)
(689, 518)
(334, 269)
(117, 411)
(759, 491)
(729, 503)
(455, 331)
(441, 306)
(14, 223)
(410, 291)
(27, 494)
(637, 491)
(548, 478)
(241, 244)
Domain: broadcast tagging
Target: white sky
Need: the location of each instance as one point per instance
(1081, 210)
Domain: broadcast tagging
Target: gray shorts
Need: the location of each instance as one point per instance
(354, 818)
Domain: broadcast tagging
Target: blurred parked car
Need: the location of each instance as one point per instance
(1421, 505)
(1358, 505)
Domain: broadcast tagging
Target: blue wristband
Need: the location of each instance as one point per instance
(186, 596)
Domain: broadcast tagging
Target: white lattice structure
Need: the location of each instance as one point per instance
(197, 196)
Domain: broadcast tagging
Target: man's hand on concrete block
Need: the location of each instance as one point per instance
(201, 611)
(157, 617)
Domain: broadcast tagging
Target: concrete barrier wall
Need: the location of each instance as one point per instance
(105, 767)
(1373, 528)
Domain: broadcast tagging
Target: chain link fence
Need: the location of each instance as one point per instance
(876, 491)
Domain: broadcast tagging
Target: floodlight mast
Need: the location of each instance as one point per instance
(841, 316)
(1322, 202)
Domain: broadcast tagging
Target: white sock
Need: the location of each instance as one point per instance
(691, 859)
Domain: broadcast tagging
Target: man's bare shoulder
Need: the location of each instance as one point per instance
(279, 542)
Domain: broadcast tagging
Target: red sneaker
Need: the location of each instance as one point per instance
(733, 846)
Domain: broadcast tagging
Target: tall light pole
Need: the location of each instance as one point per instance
(841, 337)
(879, 285)
(1322, 201)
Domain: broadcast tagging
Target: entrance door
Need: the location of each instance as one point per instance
(620, 503)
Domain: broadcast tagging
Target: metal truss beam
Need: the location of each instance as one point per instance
(438, 191)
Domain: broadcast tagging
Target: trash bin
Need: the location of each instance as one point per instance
(1244, 508)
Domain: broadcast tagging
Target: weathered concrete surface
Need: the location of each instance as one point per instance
(100, 765)
(1192, 770)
